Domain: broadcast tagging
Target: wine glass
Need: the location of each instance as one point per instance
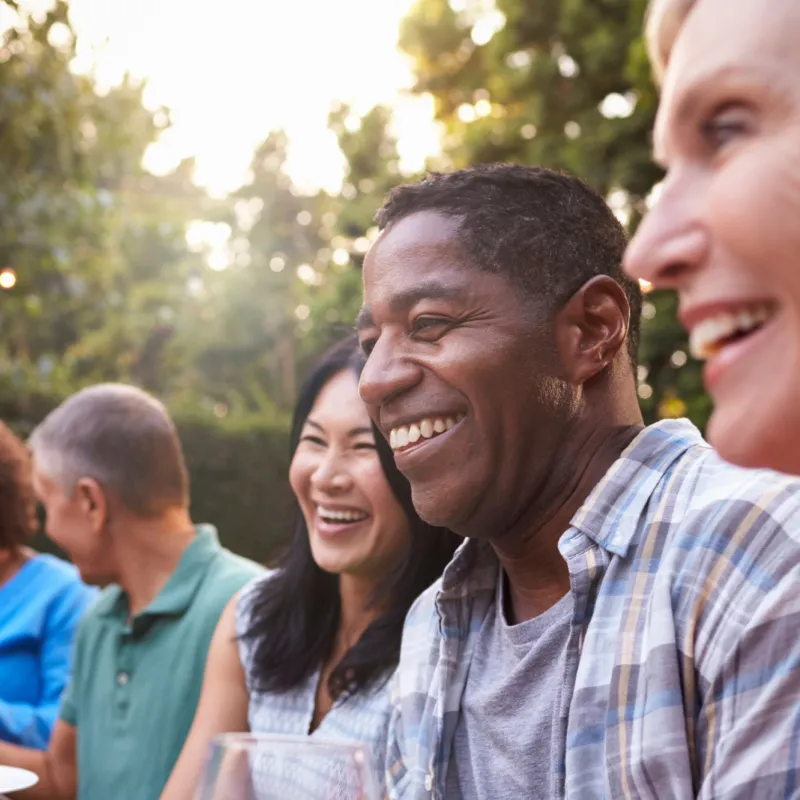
(244, 766)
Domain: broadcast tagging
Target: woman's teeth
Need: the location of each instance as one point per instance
(405, 435)
(709, 336)
(331, 515)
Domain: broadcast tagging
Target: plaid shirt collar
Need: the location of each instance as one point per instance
(610, 516)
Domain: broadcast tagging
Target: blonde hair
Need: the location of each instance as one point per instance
(664, 21)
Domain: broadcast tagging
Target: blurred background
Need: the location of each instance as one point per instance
(187, 190)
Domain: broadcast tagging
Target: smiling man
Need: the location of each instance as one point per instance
(622, 620)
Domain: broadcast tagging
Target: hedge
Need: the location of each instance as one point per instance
(239, 483)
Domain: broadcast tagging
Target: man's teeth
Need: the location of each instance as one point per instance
(424, 429)
(708, 337)
(331, 515)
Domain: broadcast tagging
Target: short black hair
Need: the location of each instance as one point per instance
(548, 231)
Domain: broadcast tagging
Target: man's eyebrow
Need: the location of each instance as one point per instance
(403, 300)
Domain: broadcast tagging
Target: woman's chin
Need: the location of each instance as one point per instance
(332, 559)
(758, 436)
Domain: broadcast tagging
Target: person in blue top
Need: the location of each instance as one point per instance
(41, 601)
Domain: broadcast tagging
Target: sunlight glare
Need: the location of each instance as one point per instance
(231, 73)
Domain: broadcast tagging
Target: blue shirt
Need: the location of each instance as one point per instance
(40, 607)
(681, 673)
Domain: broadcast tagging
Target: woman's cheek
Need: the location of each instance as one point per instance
(300, 471)
(751, 200)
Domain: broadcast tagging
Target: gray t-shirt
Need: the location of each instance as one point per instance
(503, 740)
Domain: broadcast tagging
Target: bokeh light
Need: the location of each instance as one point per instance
(8, 278)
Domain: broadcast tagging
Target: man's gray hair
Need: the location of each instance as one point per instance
(120, 437)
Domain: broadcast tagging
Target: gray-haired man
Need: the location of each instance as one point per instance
(109, 470)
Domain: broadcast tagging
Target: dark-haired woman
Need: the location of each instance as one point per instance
(41, 601)
(309, 649)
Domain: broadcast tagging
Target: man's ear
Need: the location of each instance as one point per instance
(93, 503)
(592, 327)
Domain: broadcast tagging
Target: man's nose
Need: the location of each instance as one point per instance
(387, 373)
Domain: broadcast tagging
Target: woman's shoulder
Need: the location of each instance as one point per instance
(243, 621)
(247, 595)
(55, 587)
(54, 574)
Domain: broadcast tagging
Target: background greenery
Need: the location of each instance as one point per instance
(109, 287)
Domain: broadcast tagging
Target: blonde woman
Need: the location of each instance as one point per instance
(724, 233)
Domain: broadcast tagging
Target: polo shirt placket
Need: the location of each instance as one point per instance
(122, 679)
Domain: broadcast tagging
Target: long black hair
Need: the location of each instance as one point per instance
(295, 614)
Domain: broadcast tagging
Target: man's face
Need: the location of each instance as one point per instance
(71, 522)
(462, 378)
(724, 232)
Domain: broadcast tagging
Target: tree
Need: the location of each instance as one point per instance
(98, 259)
(564, 84)
(294, 286)
(371, 172)
(148, 331)
(245, 351)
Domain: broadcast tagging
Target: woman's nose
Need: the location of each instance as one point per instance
(671, 242)
(330, 475)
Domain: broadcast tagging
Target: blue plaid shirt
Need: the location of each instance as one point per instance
(682, 668)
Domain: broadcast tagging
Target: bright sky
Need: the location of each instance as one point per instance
(232, 70)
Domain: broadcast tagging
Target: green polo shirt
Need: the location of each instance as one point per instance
(136, 682)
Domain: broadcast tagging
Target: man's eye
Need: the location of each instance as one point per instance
(429, 328)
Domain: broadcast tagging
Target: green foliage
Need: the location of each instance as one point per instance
(150, 316)
(239, 482)
(58, 152)
(295, 284)
(97, 245)
(542, 79)
(372, 170)
(108, 289)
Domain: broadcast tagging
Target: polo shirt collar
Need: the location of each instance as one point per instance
(179, 591)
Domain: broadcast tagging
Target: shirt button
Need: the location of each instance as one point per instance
(428, 782)
(123, 678)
